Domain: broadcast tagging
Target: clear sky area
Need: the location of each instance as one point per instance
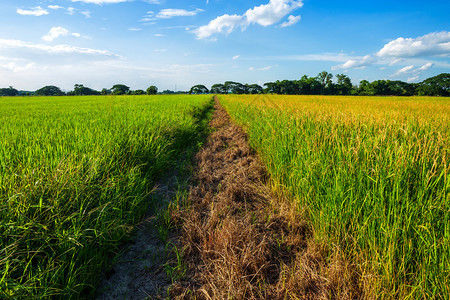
(176, 44)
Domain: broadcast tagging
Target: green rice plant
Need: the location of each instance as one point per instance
(75, 176)
(373, 173)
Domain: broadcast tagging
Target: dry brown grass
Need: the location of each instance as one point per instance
(241, 240)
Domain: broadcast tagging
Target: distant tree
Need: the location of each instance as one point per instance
(152, 90)
(139, 92)
(364, 88)
(271, 88)
(326, 82)
(199, 89)
(49, 90)
(10, 91)
(343, 85)
(254, 89)
(80, 90)
(106, 91)
(234, 87)
(435, 86)
(400, 88)
(168, 92)
(309, 85)
(218, 89)
(120, 89)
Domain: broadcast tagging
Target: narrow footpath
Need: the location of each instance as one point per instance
(241, 241)
(234, 238)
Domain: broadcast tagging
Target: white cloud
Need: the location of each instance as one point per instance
(291, 21)
(172, 12)
(70, 10)
(410, 70)
(36, 11)
(134, 29)
(236, 57)
(406, 69)
(415, 78)
(86, 14)
(260, 69)
(432, 44)
(225, 23)
(264, 15)
(356, 63)
(57, 49)
(56, 32)
(271, 13)
(424, 67)
(158, 35)
(55, 7)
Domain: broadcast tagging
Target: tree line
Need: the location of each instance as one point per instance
(322, 84)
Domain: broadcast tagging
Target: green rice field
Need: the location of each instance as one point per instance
(75, 176)
(373, 173)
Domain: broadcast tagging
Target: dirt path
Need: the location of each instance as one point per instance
(238, 239)
(241, 241)
(138, 272)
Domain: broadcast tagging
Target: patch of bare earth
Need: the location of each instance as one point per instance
(241, 241)
(138, 271)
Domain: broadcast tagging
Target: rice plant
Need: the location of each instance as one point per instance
(373, 173)
(75, 176)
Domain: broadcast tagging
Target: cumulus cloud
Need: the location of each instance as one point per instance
(56, 49)
(410, 70)
(424, 67)
(411, 79)
(226, 23)
(36, 11)
(291, 21)
(356, 63)
(432, 44)
(56, 32)
(404, 70)
(264, 15)
(271, 13)
(173, 12)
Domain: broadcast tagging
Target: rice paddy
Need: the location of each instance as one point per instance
(373, 173)
(76, 174)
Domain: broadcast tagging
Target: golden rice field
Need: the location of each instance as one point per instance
(373, 173)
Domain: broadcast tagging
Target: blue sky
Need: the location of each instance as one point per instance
(177, 44)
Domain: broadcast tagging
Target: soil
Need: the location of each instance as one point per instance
(138, 272)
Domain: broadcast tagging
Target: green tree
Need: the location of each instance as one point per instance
(435, 86)
(326, 82)
(218, 89)
(199, 89)
(139, 92)
(344, 84)
(254, 89)
(234, 87)
(120, 89)
(80, 90)
(49, 90)
(152, 90)
(9, 91)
